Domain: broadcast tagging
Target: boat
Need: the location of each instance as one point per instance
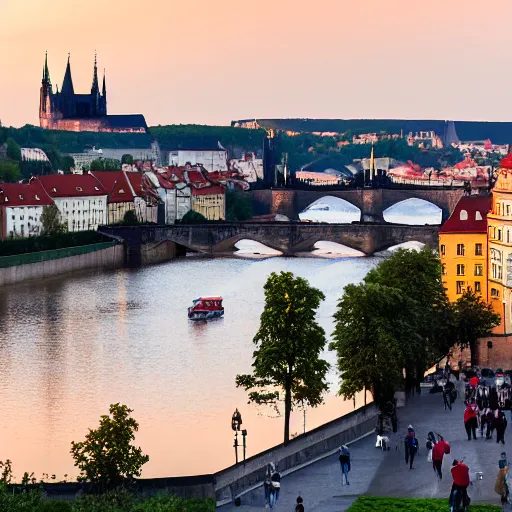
(206, 308)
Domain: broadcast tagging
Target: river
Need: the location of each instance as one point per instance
(71, 346)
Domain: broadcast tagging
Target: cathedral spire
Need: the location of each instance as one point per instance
(67, 84)
(104, 88)
(46, 73)
(95, 87)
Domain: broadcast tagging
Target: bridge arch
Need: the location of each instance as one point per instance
(413, 211)
(331, 209)
(228, 244)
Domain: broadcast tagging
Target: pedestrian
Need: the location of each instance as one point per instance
(470, 421)
(344, 464)
(489, 420)
(500, 424)
(441, 448)
(431, 441)
(448, 390)
(411, 446)
(299, 507)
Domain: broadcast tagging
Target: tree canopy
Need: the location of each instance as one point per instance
(238, 206)
(474, 319)
(289, 344)
(107, 455)
(193, 217)
(51, 220)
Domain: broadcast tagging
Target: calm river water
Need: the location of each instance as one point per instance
(69, 347)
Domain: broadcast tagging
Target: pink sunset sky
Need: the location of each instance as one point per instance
(211, 61)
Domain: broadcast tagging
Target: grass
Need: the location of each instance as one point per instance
(372, 503)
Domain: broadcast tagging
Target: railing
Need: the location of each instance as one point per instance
(37, 257)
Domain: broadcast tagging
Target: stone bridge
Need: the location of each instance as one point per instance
(371, 202)
(288, 237)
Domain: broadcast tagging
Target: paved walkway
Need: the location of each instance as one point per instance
(385, 473)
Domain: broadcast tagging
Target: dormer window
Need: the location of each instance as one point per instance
(37, 198)
(6, 199)
(79, 189)
(478, 216)
(121, 190)
(97, 189)
(463, 215)
(54, 189)
(21, 197)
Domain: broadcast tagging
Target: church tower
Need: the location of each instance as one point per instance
(45, 97)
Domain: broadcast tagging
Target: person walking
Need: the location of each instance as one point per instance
(470, 421)
(344, 464)
(500, 424)
(440, 449)
(448, 390)
(431, 441)
(275, 485)
(299, 507)
(489, 420)
(411, 446)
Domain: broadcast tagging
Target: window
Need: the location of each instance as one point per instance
(497, 272)
(508, 210)
(479, 270)
(463, 215)
(478, 216)
(79, 189)
(37, 198)
(500, 234)
(443, 269)
(460, 287)
(461, 270)
(460, 250)
(478, 288)
(478, 250)
(495, 292)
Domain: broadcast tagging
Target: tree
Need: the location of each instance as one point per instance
(193, 217)
(289, 343)
(238, 206)
(373, 324)
(68, 163)
(13, 150)
(130, 218)
(50, 220)
(418, 275)
(474, 319)
(10, 171)
(107, 455)
(97, 165)
(127, 159)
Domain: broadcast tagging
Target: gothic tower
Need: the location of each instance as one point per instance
(67, 94)
(45, 97)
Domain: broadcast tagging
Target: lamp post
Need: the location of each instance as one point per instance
(236, 421)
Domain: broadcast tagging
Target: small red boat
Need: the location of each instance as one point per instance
(206, 308)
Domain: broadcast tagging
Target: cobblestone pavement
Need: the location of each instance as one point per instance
(385, 473)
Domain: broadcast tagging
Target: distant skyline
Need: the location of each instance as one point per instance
(212, 61)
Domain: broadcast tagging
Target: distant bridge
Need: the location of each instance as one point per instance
(288, 237)
(371, 202)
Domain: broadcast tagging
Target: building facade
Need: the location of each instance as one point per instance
(211, 159)
(463, 248)
(81, 199)
(66, 110)
(21, 207)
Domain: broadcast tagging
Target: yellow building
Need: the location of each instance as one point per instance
(463, 248)
(500, 247)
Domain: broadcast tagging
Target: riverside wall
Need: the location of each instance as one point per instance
(54, 263)
(231, 482)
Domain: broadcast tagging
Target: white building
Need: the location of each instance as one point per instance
(21, 206)
(210, 159)
(174, 192)
(81, 199)
(250, 167)
(33, 155)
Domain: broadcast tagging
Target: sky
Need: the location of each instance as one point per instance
(212, 61)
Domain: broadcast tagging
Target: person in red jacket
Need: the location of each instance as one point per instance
(473, 382)
(460, 475)
(439, 450)
(470, 421)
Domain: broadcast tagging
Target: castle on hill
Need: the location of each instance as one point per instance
(67, 110)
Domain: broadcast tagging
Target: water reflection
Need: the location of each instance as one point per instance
(70, 347)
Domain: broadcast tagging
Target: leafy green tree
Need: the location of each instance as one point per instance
(474, 319)
(97, 165)
(238, 206)
(110, 164)
(13, 150)
(130, 218)
(10, 171)
(107, 455)
(418, 275)
(289, 344)
(127, 159)
(373, 324)
(51, 220)
(193, 217)
(68, 163)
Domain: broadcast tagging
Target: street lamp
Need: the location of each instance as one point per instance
(236, 421)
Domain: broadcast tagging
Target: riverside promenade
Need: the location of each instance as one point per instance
(385, 473)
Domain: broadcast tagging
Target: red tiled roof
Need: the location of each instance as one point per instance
(71, 185)
(116, 184)
(506, 163)
(141, 185)
(207, 190)
(471, 205)
(23, 194)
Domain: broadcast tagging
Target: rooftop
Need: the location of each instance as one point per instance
(23, 194)
(71, 185)
(469, 216)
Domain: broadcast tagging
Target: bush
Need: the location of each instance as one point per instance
(193, 217)
(49, 243)
(130, 218)
(374, 504)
